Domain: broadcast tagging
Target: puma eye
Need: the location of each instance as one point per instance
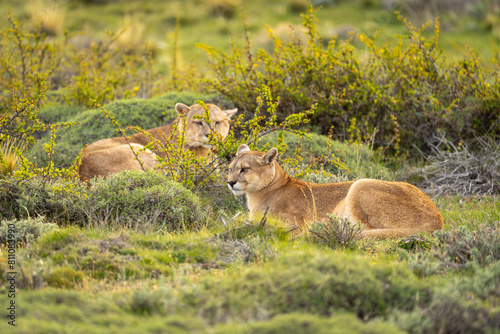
(244, 169)
(217, 123)
(198, 123)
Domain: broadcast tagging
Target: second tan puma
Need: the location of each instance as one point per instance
(111, 155)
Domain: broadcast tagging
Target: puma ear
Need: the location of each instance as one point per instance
(181, 108)
(242, 149)
(270, 156)
(231, 112)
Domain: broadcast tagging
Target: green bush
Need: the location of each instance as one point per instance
(64, 277)
(56, 112)
(462, 246)
(456, 249)
(92, 125)
(141, 200)
(26, 230)
(57, 199)
(316, 283)
(465, 305)
(138, 198)
(319, 151)
(399, 96)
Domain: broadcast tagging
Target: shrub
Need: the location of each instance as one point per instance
(58, 112)
(26, 230)
(464, 305)
(459, 248)
(32, 57)
(198, 173)
(104, 72)
(415, 243)
(336, 233)
(32, 274)
(145, 201)
(98, 71)
(59, 199)
(397, 96)
(321, 152)
(92, 125)
(64, 277)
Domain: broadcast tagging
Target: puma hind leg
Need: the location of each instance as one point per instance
(391, 209)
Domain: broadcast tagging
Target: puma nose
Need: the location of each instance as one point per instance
(231, 183)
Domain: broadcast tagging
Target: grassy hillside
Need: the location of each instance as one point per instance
(175, 251)
(219, 22)
(247, 279)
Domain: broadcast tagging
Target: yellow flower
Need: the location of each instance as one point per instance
(136, 88)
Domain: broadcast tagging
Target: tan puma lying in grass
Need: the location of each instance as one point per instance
(384, 208)
(111, 155)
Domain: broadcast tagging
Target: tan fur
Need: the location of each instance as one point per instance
(384, 208)
(111, 155)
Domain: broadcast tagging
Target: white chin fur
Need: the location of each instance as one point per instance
(236, 192)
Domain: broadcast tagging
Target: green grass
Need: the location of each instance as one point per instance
(355, 161)
(198, 25)
(104, 279)
(78, 312)
(469, 211)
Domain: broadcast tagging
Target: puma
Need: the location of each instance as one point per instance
(384, 208)
(111, 155)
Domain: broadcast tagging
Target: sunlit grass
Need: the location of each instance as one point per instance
(49, 14)
(469, 211)
(199, 25)
(131, 34)
(188, 267)
(10, 157)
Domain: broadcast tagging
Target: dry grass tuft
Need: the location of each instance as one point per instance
(10, 157)
(48, 14)
(131, 35)
(336, 232)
